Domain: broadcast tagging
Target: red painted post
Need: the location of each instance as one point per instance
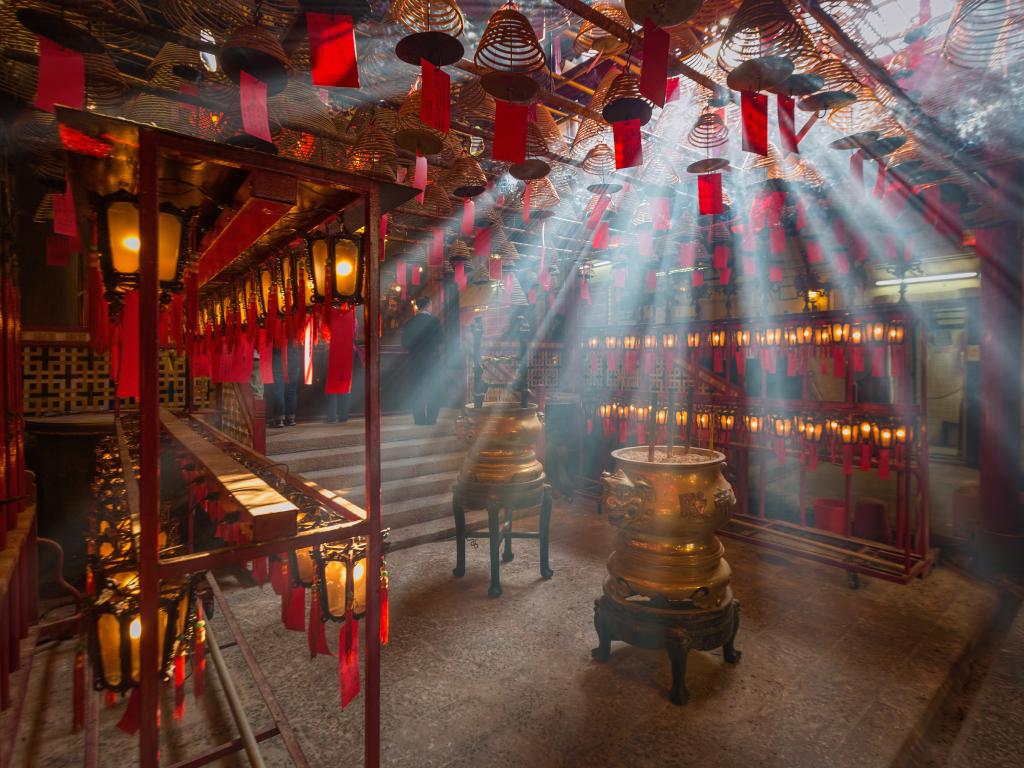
(371, 334)
(1001, 534)
(149, 454)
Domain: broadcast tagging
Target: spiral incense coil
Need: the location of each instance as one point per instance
(600, 160)
(763, 28)
(709, 131)
(451, 148)
(985, 34)
(466, 178)
(546, 17)
(659, 171)
(299, 107)
(642, 215)
(543, 195)
(459, 251)
(437, 202)
(374, 154)
(172, 55)
(412, 133)
(624, 100)
(837, 76)
(684, 41)
(161, 112)
(591, 37)
(429, 16)
(44, 211)
(590, 128)
(193, 17)
(254, 49)
(548, 129)
(472, 102)
(35, 132)
(509, 43)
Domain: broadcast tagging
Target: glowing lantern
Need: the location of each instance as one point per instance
(702, 419)
(272, 284)
(115, 629)
(875, 331)
(754, 424)
(630, 342)
(669, 341)
(840, 332)
(682, 418)
(661, 417)
(741, 338)
(823, 335)
(896, 332)
(340, 259)
(717, 338)
(605, 410)
(341, 571)
(856, 335)
(726, 420)
(693, 339)
(782, 426)
(611, 342)
(650, 342)
(593, 342)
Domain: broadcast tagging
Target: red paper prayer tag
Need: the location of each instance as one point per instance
(332, 50)
(419, 178)
(654, 70)
(687, 255)
(629, 151)
(494, 268)
(58, 251)
(510, 121)
(482, 243)
(435, 98)
(755, 122)
(64, 222)
(672, 90)
(787, 127)
(709, 194)
(468, 216)
(253, 101)
(61, 78)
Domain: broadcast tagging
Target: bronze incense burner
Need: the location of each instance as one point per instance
(668, 584)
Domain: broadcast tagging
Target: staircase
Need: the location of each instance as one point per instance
(418, 464)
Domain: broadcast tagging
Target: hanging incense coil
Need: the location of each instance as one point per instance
(548, 129)
(547, 17)
(178, 59)
(472, 102)
(466, 178)
(763, 28)
(299, 107)
(684, 41)
(429, 16)
(374, 154)
(35, 132)
(412, 133)
(642, 215)
(254, 49)
(163, 113)
(659, 172)
(985, 34)
(44, 211)
(625, 102)
(600, 160)
(589, 128)
(459, 251)
(509, 43)
(543, 196)
(220, 19)
(436, 202)
(709, 131)
(451, 148)
(591, 37)
(836, 75)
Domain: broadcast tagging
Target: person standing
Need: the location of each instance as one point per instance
(421, 339)
(285, 393)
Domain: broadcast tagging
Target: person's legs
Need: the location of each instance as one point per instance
(332, 408)
(276, 391)
(291, 390)
(434, 387)
(344, 403)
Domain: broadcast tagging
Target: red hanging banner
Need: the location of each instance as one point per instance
(510, 122)
(654, 69)
(709, 194)
(661, 214)
(348, 660)
(600, 240)
(755, 122)
(64, 221)
(253, 101)
(787, 126)
(61, 78)
(127, 372)
(857, 167)
(419, 177)
(600, 206)
(435, 257)
(672, 90)
(339, 354)
(468, 216)
(494, 268)
(482, 243)
(332, 50)
(460, 274)
(629, 150)
(435, 98)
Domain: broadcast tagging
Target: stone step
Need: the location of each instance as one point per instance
(316, 435)
(405, 489)
(351, 475)
(306, 462)
(399, 515)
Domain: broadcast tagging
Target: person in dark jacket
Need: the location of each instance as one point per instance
(421, 339)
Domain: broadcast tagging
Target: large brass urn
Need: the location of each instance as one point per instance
(501, 438)
(668, 583)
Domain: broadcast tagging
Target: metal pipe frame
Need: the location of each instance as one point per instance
(151, 142)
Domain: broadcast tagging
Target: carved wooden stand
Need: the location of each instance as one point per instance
(677, 631)
(494, 500)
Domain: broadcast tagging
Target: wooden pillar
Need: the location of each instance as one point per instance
(1001, 534)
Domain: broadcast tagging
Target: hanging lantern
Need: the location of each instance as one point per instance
(717, 339)
(896, 332)
(682, 418)
(865, 431)
(812, 430)
(630, 342)
(650, 342)
(611, 342)
(741, 338)
(754, 424)
(726, 420)
(605, 410)
(338, 591)
(115, 629)
(782, 425)
(805, 335)
(669, 341)
(855, 335)
(847, 434)
(823, 335)
(840, 332)
(661, 417)
(119, 242)
(593, 343)
(272, 284)
(875, 332)
(339, 256)
(693, 339)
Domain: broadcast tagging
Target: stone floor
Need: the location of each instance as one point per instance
(830, 676)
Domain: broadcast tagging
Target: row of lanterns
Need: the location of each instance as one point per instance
(625, 420)
(892, 332)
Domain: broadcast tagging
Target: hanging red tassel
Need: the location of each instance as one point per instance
(179, 686)
(199, 661)
(709, 194)
(127, 369)
(129, 722)
(109, 699)
(598, 211)
(755, 122)
(661, 215)
(510, 122)
(419, 178)
(865, 457)
(847, 459)
(460, 274)
(78, 694)
(600, 239)
(697, 278)
(385, 611)
(61, 77)
(316, 633)
(348, 659)
(332, 50)
(435, 97)
(435, 257)
(253, 103)
(293, 609)
(787, 128)
(880, 177)
(260, 570)
(526, 203)
(468, 216)
(339, 355)
(654, 69)
(883, 463)
(629, 150)
(812, 456)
